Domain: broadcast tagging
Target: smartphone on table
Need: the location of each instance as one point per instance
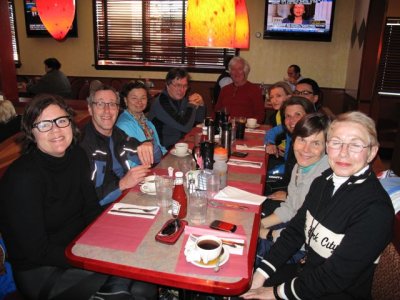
(223, 226)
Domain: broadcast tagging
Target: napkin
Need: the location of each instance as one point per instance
(251, 130)
(252, 148)
(245, 163)
(237, 249)
(132, 210)
(230, 193)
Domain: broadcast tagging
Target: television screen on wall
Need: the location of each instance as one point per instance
(310, 20)
(35, 27)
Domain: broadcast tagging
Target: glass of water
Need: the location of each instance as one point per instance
(198, 207)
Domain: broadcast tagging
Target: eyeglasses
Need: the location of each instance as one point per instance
(302, 93)
(102, 105)
(47, 125)
(180, 86)
(171, 228)
(352, 147)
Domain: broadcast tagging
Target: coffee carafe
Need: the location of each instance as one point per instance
(207, 154)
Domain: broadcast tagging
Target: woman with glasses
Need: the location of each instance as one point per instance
(174, 112)
(47, 199)
(344, 223)
(309, 138)
(133, 120)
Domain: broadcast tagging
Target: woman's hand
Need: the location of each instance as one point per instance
(278, 195)
(260, 293)
(263, 232)
(272, 150)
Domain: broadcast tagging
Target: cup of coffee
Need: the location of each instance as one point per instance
(251, 122)
(181, 149)
(206, 249)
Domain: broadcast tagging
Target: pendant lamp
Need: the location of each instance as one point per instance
(57, 16)
(242, 25)
(210, 23)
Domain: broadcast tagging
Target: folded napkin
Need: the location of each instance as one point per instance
(230, 193)
(234, 246)
(252, 148)
(245, 163)
(131, 210)
(251, 130)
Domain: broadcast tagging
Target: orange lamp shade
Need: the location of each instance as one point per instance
(242, 25)
(57, 16)
(210, 23)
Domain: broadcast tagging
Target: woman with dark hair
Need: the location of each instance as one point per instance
(47, 199)
(133, 121)
(53, 82)
(308, 137)
(299, 14)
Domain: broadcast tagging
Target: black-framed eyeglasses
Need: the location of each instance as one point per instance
(302, 93)
(102, 105)
(47, 125)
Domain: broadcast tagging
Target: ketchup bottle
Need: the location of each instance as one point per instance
(179, 198)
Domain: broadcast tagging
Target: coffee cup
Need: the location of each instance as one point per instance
(149, 187)
(206, 249)
(251, 122)
(181, 149)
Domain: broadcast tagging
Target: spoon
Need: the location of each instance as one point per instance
(137, 208)
(216, 268)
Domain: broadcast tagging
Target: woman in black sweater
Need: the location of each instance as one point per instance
(345, 223)
(47, 199)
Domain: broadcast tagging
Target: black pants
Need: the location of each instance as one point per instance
(54, 283)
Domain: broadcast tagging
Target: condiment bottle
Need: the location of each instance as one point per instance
(179, 198)
(220, 165)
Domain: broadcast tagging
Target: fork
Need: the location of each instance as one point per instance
(138, 208)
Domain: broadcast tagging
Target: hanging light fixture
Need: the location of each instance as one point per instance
(57, 16)
(210, 23)
(242, 25)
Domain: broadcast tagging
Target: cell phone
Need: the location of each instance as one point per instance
(239, 154)
(223, 226)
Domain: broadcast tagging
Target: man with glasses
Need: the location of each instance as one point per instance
(174, 112)
(110, 151)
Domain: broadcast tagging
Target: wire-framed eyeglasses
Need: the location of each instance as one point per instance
(352, 147)
(102, 105)
(47, 125)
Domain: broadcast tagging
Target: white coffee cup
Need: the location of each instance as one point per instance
(206, 249)
(149, 187)
(251, 122)
(181, 149)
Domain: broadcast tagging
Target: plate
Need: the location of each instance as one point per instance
(144, 192)
(173, 152)
(252, 127)
(224, 256)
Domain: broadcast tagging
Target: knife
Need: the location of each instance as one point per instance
(131, 212)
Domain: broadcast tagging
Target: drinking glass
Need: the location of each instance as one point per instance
(213, 185)
(164, 186)
(197, 207)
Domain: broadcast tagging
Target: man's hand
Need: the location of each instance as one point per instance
(146, 154)
(196, 100)
(133, 177)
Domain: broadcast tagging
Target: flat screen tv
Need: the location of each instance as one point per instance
(35, 27)
(310, 20)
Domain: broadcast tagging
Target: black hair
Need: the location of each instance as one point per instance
(296, 68)
(305, 16)
(296, 100)
(34, 109)
(316, 90)
(176, 73)
(311, 124)
(52, 63)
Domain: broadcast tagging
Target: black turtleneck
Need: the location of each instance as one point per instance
(45, 202)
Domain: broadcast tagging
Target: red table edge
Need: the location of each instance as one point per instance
(171, 280)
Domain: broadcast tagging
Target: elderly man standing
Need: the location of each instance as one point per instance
(110, 150)
(241, 98)
(174, 113)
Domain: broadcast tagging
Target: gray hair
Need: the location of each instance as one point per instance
(101, 87)
(238, 59)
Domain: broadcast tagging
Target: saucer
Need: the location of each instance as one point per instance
(252, 127)
(144, 192)
(224, 256)
(173, 152)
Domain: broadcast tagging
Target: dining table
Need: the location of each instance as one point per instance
(125, 245)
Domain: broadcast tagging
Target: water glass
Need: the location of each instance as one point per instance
(164, 186)
(213, 185)
(197, 208)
